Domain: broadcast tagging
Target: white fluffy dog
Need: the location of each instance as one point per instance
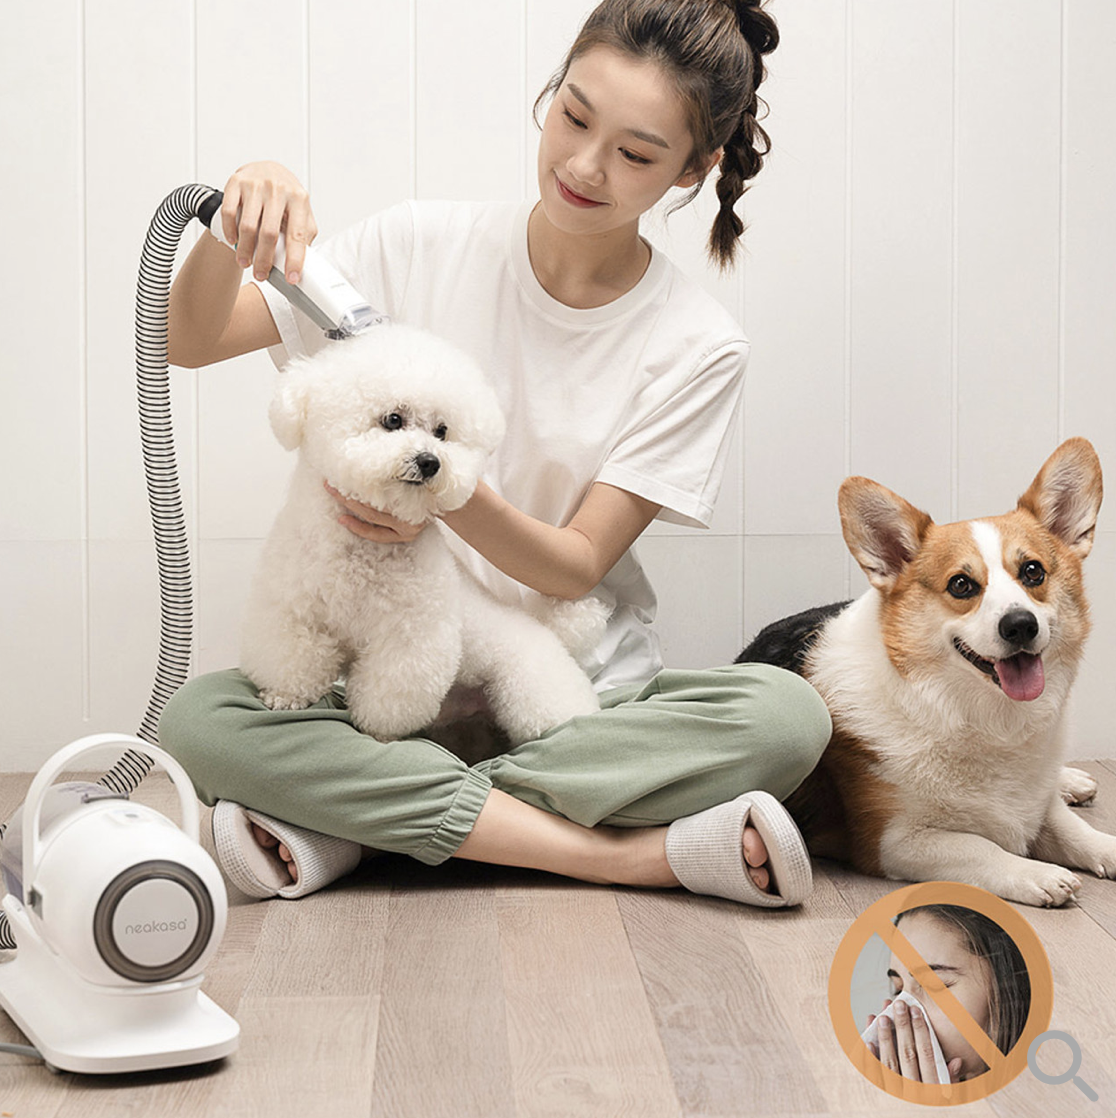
(403, 422)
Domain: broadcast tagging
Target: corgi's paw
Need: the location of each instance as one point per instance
(1102, 856)
(276, 700)
(1044, 885)
(1077, 786)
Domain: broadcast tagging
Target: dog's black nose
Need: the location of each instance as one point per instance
(1019, 627)
(427, 464)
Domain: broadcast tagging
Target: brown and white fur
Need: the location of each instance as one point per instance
(947, 683)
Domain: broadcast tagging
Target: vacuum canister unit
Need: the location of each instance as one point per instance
(115, 911)
(112, 911)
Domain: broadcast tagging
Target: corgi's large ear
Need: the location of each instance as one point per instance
(288, 408)
(1065, 496)
(882, 531)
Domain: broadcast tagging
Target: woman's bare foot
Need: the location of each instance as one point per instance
(755, 858)
(270, 842)
(638, 857)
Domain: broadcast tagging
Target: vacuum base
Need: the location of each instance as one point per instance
(84, 1028)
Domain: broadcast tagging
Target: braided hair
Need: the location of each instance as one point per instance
(714, 51)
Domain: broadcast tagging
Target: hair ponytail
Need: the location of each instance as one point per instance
(714, 50)
(745, 149)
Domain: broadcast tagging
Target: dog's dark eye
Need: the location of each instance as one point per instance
(1032, 573)
(440, 432)
(961, 586)
(392, 422)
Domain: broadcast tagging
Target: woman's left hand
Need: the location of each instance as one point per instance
(373, 524)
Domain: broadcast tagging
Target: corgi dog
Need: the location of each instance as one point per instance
(947, 684)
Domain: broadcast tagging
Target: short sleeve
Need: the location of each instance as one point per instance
(675, 453)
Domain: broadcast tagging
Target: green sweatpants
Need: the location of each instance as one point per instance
(654, 753)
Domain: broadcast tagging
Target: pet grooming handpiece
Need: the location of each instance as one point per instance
(322, 293)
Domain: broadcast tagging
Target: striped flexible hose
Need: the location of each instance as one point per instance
(177, 210)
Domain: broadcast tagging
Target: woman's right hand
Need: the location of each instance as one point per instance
(373, 524)
(261, 201)
(904, 1046)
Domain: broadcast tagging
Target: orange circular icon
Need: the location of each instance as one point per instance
(877, 920)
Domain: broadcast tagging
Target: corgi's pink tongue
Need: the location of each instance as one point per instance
(1021, 677)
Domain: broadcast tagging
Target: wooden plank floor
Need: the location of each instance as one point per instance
(415, 992)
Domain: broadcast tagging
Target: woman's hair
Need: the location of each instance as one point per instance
(1009, 984)
(713, 49)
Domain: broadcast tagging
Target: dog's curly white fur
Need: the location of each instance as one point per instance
(403, 422)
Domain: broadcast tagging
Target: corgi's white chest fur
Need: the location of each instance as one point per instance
(954, 747)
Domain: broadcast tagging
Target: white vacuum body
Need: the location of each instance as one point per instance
(115, 912)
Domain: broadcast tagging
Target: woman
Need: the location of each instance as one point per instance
(619, 381)
(980, 965)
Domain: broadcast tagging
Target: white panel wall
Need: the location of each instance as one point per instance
(44, 502)
(929, 285)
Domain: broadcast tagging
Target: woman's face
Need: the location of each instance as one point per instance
(615, 139)
(945, 949)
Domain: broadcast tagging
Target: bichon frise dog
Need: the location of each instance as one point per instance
(403, 422)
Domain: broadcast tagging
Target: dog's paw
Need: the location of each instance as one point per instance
(1044, 885)
(1077, 786)
(276, 700)
(1101, 858)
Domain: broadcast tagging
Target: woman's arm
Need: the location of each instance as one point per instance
(212, 315)
(562, 562)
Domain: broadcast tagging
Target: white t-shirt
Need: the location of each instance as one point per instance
(640, 394)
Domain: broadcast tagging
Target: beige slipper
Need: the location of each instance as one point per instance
(705, 852)
(259, 872)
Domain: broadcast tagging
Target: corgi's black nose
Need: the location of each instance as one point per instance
(1019, 627)
(427, 464)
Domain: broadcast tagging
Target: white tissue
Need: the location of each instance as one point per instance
(869, 1034)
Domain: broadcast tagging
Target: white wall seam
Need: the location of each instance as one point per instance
(83, 386)
(954, 273)
(413, 106)
(524, 136)
(194, 520)
(1063, 180)
(307, 116)
(847, 352)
